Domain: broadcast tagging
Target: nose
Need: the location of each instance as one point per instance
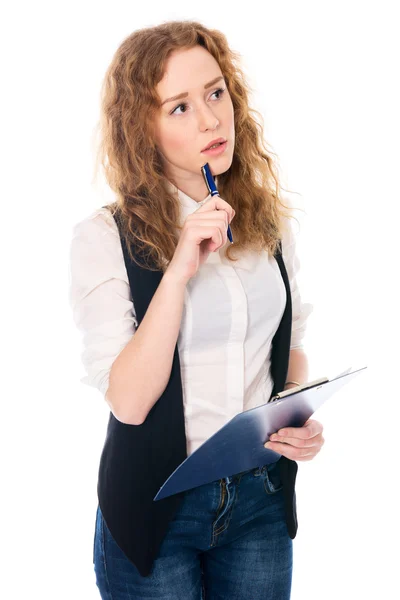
(207, 118)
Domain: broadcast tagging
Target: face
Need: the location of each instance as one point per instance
(186, 125)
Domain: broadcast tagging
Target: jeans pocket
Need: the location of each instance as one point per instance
(272, 479)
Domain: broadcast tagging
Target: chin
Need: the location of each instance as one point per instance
(223, 166)
(218, 164)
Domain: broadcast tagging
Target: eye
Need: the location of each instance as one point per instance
(219, 91)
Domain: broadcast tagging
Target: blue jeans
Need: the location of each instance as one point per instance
(228, 540)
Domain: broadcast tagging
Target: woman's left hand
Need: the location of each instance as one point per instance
(298, 443)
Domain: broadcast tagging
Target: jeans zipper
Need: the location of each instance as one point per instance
(222, 497)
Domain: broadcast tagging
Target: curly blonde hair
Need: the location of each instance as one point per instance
(149, 213)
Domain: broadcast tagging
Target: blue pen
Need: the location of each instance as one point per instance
(212, 189)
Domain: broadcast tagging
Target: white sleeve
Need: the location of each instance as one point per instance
(300, 310)
(99, 295)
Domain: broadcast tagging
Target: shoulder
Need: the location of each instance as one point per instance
(95, 243)
(95, 254)
(99, 224)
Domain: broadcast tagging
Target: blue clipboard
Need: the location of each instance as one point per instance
(239, 445)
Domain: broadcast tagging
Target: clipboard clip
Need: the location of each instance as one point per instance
(299, 388)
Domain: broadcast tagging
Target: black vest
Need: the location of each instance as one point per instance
(137, 459)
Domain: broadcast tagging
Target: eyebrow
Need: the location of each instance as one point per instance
(184, 94)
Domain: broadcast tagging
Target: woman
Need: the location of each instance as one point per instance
(195, 332)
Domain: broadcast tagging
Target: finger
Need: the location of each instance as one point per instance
(315, 426)
(308, 457)
(224, 205)
(311, 429)
(298, 442)
(289, 451)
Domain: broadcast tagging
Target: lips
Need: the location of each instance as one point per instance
(219, 140)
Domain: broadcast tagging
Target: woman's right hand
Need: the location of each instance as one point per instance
(203, 231)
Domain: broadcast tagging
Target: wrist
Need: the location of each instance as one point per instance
(290, 384)
(170, 277)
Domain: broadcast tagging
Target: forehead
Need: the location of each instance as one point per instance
(187, 70)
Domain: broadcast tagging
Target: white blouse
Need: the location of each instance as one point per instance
(230, 315)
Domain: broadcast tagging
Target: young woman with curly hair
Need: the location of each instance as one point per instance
(184, 329)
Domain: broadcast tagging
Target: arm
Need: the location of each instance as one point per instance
(298, 367)
(128, 363)
(141, 371)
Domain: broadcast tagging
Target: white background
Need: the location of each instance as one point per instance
(325, 80)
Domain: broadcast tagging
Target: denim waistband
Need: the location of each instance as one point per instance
(256, 471)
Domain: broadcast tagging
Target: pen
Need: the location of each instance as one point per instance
(212, 189)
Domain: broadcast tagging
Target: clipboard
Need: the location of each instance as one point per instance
(239, 445)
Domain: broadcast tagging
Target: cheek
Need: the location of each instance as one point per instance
(175, 141)
(230, 120)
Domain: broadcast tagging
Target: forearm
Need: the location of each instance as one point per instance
(298, 366)
(141, 371)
